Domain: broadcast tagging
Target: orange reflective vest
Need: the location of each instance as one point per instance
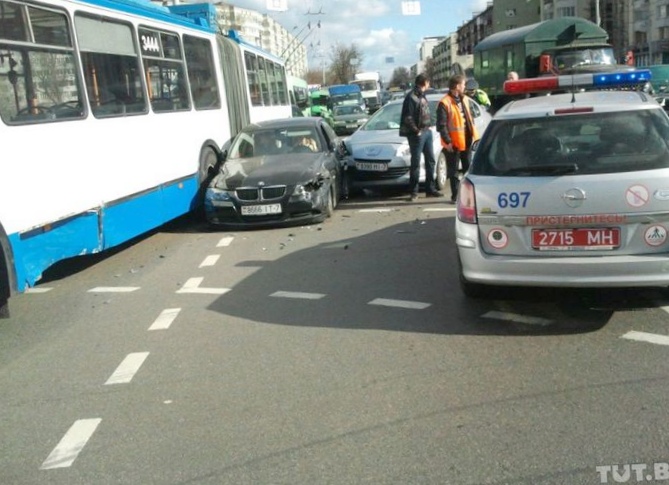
(456, 124)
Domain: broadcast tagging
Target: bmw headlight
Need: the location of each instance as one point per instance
(302, 192)
(403, 150)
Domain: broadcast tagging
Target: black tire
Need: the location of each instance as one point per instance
(206, 172)
(5, 290)
(330, 206)
(474, 290)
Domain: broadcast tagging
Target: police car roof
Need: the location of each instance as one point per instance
(590, 101)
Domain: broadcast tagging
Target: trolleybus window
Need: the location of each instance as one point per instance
(201, 74)
(164, 70)
(254, 82)
(281, 83)
(38, 79)
(111, 67)
(264, 85)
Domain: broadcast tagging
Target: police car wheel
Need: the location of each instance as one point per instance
(473, 290)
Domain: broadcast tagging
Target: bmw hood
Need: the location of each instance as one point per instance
(284, 169)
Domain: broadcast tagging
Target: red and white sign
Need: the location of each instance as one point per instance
(655, 235)
(637, 195)
(498, 238)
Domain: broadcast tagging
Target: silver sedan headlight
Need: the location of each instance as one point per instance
(403, 150)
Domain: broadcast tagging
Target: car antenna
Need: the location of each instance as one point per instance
(573, 90)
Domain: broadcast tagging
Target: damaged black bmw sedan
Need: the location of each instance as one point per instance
(279, 172)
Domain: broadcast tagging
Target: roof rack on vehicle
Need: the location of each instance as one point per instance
(609, 80)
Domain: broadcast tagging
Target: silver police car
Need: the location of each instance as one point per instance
(568, 190)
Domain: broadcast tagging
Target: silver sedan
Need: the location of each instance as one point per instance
(378, 157)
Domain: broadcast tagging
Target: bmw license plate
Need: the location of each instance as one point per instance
(575, 239)
(371, 167)
(261, 210)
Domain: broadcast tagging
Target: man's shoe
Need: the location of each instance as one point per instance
(435, 193)
(413, 197)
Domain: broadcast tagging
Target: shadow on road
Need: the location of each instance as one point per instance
(414, 262)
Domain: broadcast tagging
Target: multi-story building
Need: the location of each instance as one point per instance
(472, 32)
(262, 30)
(511, 14)
(446, 57)
(425, 52)
(649, 31)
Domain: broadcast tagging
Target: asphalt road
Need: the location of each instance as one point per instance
(338, 353)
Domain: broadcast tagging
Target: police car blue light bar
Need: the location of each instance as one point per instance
(554, 83)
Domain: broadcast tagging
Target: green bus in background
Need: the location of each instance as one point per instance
(320, 105)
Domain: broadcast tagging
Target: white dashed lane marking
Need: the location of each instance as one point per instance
(412, 305)
(514, 317)
(210, 260)
(298, 295)
(652, 338)
(375, 211)
(127, 369)
(193, 286)
(114, 289)
(165, 319)
(65, 452)
(38, 290)
(226, 241)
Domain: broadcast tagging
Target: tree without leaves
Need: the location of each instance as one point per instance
(430, 69)
(344, 61)
(400, 78)
(314, 76)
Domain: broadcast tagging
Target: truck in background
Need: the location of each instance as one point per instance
(566, 45)
(346, 94)
(370, 86)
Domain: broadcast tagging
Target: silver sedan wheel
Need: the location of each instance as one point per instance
(440, 175)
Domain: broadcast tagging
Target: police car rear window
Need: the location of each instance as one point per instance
(591, 143)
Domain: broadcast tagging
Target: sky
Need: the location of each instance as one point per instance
(376, 27)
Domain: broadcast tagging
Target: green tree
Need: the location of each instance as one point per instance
(344, 62)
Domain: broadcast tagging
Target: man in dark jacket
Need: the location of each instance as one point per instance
(415, 126)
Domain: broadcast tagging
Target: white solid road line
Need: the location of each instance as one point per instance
(413, 305)
(514, 317)
(210, 260)
(165, 319)
(226, 241)
(652, 338)
(193, 286)
(128, 368)
(41, 289)
(114, 289)
(297, 294)
(65, 452)
(439, 209)
(375, 210)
